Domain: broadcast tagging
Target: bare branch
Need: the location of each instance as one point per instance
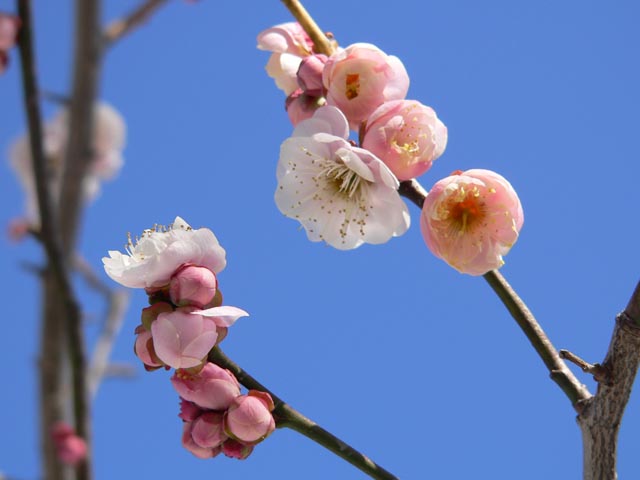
(123, 26)
(288, 417)
(559, 371)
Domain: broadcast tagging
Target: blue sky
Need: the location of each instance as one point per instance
(414, 364)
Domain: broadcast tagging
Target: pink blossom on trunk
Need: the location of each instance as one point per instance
(70, 448)
(471, 219)
(362, 77)
(406, 135)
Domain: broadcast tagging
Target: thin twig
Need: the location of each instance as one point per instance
(599, 372)
(321, 44)
(123, 26)
(288, 417)
(118, 302)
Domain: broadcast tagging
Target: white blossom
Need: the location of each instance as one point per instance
(341, 194)
(159, 252)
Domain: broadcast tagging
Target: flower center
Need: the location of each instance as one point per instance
(465, 210)
(352, 84)
(345, 181)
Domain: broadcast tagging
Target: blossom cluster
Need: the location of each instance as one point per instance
(9, 27)
(217, 418)
(178, 267)
(109, 136)
(347, 195)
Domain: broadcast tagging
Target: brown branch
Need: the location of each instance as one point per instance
(123, 26)
(559, 371)
(601, 415)
(599, 372)
(86, 66)
(321, 44)
(59, 299)
(287, 417)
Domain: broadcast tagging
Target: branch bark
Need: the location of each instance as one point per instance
(601, 415)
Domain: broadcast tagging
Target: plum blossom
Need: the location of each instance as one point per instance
(193, 285)
(153, 259)
(300, 106)
(362, 77)
(183, 340)
(471, 219)
(248, 419)
(193, 447)
(207, 430)
(109, 134)
(406, 135)
(289, 44)
(213, 387)
(341, 194)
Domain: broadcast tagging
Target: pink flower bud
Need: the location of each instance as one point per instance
(234, 449)
(70, 448)
(301, 106)
(182, 339)
(471, 219)
(193, 447)
(406, 135)
(189, 411)
(310, 74)
(143, 349)
(192, 285)
(213, 387)
(362, 77)
(249, 418)
(207, 430)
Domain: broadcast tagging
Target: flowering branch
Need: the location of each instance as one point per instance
(287, 417)
(321, 44)
(559, 371)
(123, 26)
